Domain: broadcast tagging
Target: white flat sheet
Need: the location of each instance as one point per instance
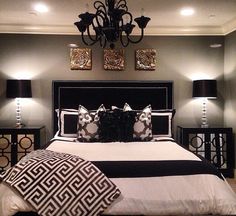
(129, 151)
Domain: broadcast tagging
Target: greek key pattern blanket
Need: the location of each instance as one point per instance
(61, 184)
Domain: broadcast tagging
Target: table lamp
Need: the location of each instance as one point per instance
(205, 89)
(18, 89)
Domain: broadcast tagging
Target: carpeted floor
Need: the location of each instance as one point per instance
(232, 182)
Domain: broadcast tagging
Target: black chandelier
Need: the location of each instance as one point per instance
(110, 23)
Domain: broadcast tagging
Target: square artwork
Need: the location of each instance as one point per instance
(80, 59)
(114, 59)
(145, 59)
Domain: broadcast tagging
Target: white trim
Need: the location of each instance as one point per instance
(229, 27)
(149, 31)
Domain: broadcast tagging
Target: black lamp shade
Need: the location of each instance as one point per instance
(205, 88)
(19, 88)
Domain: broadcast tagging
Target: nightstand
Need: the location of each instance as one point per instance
(214, 144)
(15, 143)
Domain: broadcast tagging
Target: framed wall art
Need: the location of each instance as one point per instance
(114, 59)
(145, 59)
(80, 59)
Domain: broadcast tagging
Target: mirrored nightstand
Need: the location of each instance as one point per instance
(15, 143)
(214, 144)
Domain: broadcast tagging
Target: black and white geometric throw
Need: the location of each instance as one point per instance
(61, 184)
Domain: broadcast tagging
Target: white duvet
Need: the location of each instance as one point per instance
(171, 195)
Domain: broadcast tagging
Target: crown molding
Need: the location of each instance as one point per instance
(182, 31)
(43, 29)
(229, 27)
(149, 31)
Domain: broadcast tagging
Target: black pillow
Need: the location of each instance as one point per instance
(162, 122)
(67, 122)
(116, 125)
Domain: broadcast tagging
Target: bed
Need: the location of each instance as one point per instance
(150, 174)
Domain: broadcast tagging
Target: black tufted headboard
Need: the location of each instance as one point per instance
(91, 94)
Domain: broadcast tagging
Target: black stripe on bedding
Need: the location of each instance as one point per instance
(135, 169)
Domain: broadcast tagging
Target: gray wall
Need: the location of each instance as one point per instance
(230, 82)
(44, 58)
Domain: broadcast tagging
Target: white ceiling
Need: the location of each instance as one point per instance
(212, 17)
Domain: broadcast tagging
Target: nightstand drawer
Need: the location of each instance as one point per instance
(15, 143)
(214, 144)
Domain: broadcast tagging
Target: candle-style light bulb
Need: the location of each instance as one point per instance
(142, 11)
(87, 7)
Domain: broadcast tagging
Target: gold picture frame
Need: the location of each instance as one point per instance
(114, 59)
(80, 59)
(145, 59)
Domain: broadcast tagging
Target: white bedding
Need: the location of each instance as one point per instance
(129, 151)
(167, 195)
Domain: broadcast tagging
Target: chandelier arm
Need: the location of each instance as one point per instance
(103, 45)
(127, 13)
(97, 20)
(122, 4)
(137, 41)
(124, 44)
(85, 42)
(82, 35)
(100, 7)
(101, 10)
(90, 36)
(96, 38)
(103, 16)
(120, 26)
